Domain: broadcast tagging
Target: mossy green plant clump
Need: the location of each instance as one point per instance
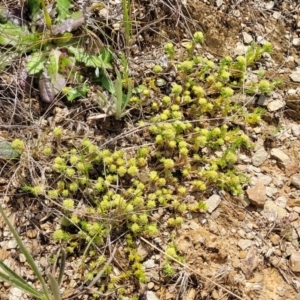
(192, 148)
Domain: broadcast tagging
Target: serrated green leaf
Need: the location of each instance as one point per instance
(89, 60)
(63, 7)
(7, 152)
(35, 63)
(77, 93)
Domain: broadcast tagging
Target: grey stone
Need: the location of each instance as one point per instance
(296, 130)
(272, 211)
(244, 243)
(271, 191)
(259, 157)
(295, 76)
(280, 156)
(257, 194)
(295, 261)
(296, 41)
(149, 264)
(275, 105)
(296, 181)
(213, 202)
(281, 201)
(151, 296)
(248, 39)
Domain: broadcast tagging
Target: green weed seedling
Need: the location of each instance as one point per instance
(54, 54)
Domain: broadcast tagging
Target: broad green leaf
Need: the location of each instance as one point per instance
(7, 152)
(11, 34)
(107, 58)
(89, 60)
(63, 7)
(35, 63)
(77, 93)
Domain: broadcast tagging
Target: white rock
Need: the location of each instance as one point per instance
(149, 264)
(296, 130)
(213, 202)
(151, 296)
(296, 41)
(295, 76)
(259, 157)
(275, 105)
(244, 243)
(280, 156)
(276, 15)
(271, 191)
(273, 211)
(240, 49)
(295, 261)
(12, 244)
(269, 5)
(248, 39)
(15, 294)
(281, 201)
(296, 181)
(219, 3)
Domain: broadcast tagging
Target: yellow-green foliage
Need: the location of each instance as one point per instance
(193, 149)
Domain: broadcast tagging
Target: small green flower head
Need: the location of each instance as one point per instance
(157, 69)
(53, 194)
(70, 172)
(74, 159)
(65, 193)
(169, 47)
(267, 47)
(198, 90)
(151, 204)
(188, 46)
(231, 158)
(228, 59)
(171, 251)
(265, 86)
(36, 190)
(202, 101)
(57, 131)
(73, 187)
(146, 92)
(176, 89)
(168, 163)
(135, 228)
(153, 176)
(151, 229)
(47, 151)
(18, 145)
(227, 92)
(241, 60)
(186, 66)
(68, 204)
(133, 171)
(210, 64)
(166, 100)
(60, 235)
(121, 171)
(198, 37)
(224, 75)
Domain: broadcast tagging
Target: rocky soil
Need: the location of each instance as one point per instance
(243, 247)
